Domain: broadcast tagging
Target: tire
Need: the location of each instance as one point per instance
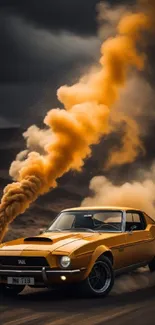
(152, 265)
(103, 273)
(10, 290)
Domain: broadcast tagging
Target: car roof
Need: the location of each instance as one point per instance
(110, 208)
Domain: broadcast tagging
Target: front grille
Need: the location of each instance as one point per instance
(23, 261)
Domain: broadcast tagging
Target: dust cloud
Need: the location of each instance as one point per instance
(138, 194)
(140, 279)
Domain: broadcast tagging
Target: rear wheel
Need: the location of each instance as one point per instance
(10, 290)
(152, 265)
(100, 280)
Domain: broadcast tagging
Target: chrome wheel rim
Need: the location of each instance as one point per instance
(100, 277)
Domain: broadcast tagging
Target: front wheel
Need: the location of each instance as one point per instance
(10, 290)
(100, 280)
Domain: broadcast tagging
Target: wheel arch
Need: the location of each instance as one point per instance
(99, 251)
(109, 255)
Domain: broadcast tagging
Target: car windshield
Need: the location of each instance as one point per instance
(105, 221)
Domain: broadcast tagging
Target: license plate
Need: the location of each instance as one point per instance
(20, 281)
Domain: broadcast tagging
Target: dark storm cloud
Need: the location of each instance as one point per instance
(45, 44)
(77, 16)
(34, 63)
(30, 55)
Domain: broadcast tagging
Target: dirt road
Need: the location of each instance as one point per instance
(42, 307)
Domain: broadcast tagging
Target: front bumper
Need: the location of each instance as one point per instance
(43, 276)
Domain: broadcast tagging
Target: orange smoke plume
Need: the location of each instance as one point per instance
(130, 143)
(85, 119)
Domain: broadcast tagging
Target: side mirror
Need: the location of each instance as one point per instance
(133, 228)
(42, 230)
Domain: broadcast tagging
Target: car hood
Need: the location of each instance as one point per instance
(55, 241)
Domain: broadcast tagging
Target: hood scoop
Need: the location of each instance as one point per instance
(38, 239)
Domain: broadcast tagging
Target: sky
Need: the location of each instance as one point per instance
(46, 44)
(49, 43)
(43, 45)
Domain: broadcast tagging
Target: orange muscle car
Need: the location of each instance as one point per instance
(84, 248)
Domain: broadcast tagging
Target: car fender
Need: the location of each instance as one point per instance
(100, 250)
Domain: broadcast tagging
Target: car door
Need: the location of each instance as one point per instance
(138, 238)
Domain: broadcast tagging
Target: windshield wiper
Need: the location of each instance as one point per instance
(71, 229)
(53, 230)
(78, 229)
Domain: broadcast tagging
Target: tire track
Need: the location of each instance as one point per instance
(56, 308)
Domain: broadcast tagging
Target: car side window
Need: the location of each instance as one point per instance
(129, 217)
(135, 221)
(136, 217)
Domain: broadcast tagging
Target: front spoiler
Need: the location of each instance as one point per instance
(44, 273)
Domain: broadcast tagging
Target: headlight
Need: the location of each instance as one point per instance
(65, 261)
